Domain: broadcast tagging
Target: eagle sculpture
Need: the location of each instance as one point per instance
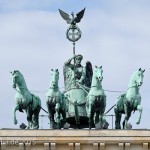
(72, 20)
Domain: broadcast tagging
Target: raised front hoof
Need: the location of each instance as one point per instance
(15, 122)
(138, 122)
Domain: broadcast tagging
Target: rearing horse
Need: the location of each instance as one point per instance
(25, 101)
(130, 101)
(96, 99)
(55, 101)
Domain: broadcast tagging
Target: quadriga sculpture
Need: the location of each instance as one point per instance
(96, 99)
(25, 101)
(130, 101)
(55, 102)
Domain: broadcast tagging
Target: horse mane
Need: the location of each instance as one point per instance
(21, 76)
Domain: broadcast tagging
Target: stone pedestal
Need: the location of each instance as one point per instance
(74, 139)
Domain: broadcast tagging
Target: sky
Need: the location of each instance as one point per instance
(115, 34)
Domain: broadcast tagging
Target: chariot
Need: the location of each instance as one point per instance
(76, 114)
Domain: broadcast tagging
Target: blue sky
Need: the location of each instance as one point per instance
(115, 34)
(53, 5)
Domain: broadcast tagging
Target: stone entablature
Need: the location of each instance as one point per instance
(75, 139)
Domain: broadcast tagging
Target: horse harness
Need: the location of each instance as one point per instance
(53, 99)
(129, 105)
(23, 106)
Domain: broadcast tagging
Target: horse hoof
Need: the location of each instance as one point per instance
(15, 121)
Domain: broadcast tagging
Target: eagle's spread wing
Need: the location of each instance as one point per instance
(79, 16)
(65, 16)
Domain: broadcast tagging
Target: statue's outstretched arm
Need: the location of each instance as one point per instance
(69, 61)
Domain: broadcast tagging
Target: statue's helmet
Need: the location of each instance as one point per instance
(79, 57)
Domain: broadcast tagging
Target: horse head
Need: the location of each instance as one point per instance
(54, 78)
(98, 73)
(137, 77)
(16, 78)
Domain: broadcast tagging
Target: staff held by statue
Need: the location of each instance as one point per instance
(73, 33)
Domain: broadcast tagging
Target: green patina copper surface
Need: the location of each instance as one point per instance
(73, 32)
(55, 102)
(82, 103)
(25, 101)
(96, 99)
(74, 72)
(130, 101)
(76, 78)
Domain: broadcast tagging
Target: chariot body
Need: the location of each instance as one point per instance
(77, 80)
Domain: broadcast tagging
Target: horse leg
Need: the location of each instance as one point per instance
(15, 109)
(29, 118)
(47, 104)
(29, 123)
(117, 119)
(57, 109)
(140, 109)
(51, 119)
(96, 120)
(35, 121)
(127, 118)
(50, 115)
(91, 116)
(125, 122)
(63, 112)
(35, 118)
(101, 120)
(91, 119)
(102, 110)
